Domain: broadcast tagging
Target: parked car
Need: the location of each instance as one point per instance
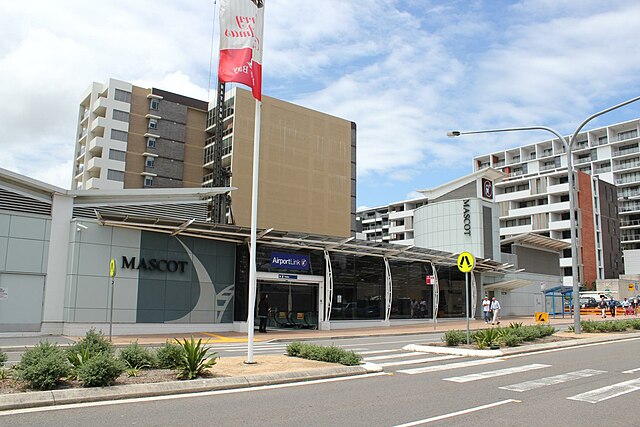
(588, 302)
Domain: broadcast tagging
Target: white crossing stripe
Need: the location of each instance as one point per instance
(416, 361)
(498, 373)
(631, 371)
(557, 379)
(458, 365)
(393, 356)
(377, 351)
(604, 393)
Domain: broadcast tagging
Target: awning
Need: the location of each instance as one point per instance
(507, 285)
(537, 241)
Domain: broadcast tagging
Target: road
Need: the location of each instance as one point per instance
(580, 386)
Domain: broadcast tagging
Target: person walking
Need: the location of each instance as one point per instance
(495, 309)
(263, 312)
(486, 307)
(602, 305)
(612, 307)
(626, 306)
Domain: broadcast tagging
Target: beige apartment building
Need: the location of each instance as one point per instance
(134, 137)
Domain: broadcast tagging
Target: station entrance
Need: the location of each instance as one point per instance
(294, 305)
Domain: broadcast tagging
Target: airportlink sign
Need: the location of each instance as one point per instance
(466, 262)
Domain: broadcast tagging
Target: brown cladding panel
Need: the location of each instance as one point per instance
(305, 168)
(587, 240)
(194, 148)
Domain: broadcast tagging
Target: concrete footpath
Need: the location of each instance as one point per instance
(69, 396)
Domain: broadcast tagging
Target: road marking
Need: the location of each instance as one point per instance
(577, 347)
(631, 371)
(455, 414)
(187, 395)
(394, 356)
(604, 393)
(377, 351)
(557, 379)
(415, 361)
(498, 373)
(449, 366)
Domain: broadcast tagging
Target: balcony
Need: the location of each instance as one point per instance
(627, 165)
(547, 167)
(96, 145)
(98, 125)
(630, 223)
(582, 160)
(603, 169)
(630, 238)
(625, 151)
(631, 207)
(100, 107)
(95, 164)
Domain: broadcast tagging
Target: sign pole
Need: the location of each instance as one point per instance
(112, 273)
(466, 301)
(466, 262)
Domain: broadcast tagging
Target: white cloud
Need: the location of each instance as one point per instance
(405, 71)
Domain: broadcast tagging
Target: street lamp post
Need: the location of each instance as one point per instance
(568, 144)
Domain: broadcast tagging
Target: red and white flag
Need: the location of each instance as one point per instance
(241, 28)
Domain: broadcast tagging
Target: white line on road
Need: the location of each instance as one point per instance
(415, 361)
(394, 356)
(187, 395)
(631, 371)
(604, 393)
(577, 347)
(377, 351)
(557, 379)
(498, 373)
(455, 414)
(449, 366)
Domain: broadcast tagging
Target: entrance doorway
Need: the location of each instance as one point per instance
(293, 305)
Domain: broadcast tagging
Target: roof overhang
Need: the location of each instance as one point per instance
(507, 285)
(537, 241)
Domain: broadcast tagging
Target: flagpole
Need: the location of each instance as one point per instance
(251, 306)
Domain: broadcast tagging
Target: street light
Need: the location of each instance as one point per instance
(572, 204)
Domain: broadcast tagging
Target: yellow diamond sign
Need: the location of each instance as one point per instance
(466, 262)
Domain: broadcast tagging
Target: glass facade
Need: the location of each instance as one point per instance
(358, 287)
(412, 297)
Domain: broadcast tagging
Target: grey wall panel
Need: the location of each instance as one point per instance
(23, 306)
(25, 255)
(537, 261)
(4, 243)
(92, 292)
(172, 112)
(4, 224)
(169, 149)
(93, 259)
(487, 232)
(171, 131)
(27, 227)
(125, 294)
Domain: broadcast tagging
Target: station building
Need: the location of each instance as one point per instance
(176, 272)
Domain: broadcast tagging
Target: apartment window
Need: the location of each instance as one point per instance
(526, 204)
(119, 135)
(122, 116)
(627, 135)
(563, 180)
(566, 234)
(148, 181)
(153, 124)
(509, 189)
(117, 155)
(522, 187)
(524, 221)
(566, 253)
(154, 104)
(149, 162)
(122, 95)
(564, 198)
(510, 223)
(114, 175)
(602, 140)
(567, 271)
(151, 142)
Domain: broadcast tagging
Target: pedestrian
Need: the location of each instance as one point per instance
(486, 307)
(414, 308)
(612, 307)
(602, 305)
(423, 309)
(263, 312)
(635, 306)
(495, 309)
(626, 306)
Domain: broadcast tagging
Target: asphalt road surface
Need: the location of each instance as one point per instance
(590, 385)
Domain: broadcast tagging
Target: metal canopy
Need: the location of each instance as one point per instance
(507, 285)
(294, 240)
(538, 241)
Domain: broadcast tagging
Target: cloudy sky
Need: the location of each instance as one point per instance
(405, 71)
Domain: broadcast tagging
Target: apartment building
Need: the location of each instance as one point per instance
(307, 171)
(134, 137)
(534, 196)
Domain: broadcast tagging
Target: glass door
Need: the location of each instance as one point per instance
(293, 305)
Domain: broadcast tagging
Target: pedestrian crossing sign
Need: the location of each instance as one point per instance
(542, 317)
(466, 262)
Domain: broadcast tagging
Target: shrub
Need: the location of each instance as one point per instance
(100, 370)
(195, 359)
(454, 337)
(136, 356)
(488, 338)
(294, 349)
(512, 340)
(3, 357)
(330, 354)
(93, 343)
(42, 366)
(515, 325)
(77, 360)
(169, 356)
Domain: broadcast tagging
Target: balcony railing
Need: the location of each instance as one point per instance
(625, 151)
(582, 160)
(630, 237)
(630, 223)
(603, 170)
(547, 167)
(628, 165)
